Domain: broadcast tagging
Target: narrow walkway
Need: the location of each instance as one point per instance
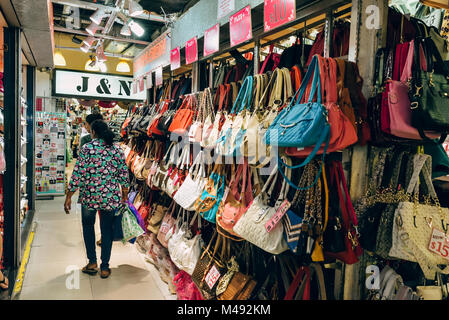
(58, 249)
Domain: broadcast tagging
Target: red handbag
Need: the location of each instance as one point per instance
(183, 117)
(349, 225)
(296, 76)
(302, 278)
(152, 128)
(343, 132)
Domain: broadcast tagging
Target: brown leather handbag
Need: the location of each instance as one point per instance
(240, 288)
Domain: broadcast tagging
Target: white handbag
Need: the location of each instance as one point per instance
(173, 182)
(160, 177)
(251, 226)
(414, 224)
(193, 185)
(183, 249)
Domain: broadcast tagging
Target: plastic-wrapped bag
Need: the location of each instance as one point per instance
(130, 226)
(185, 287)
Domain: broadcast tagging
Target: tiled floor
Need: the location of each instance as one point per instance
(58, 249)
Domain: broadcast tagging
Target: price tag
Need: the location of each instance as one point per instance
(212, 276)
(439, 243)
(240, 26)
(191, 51)
(278, 12)
(212, 40)
(277, 216)
(175, 58)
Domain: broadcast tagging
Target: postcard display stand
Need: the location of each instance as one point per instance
(50, 153)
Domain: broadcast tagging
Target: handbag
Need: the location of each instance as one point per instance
(185, 287)
(153, 129)
(209, 201)
(343, 132)
(193, 185)
(167, 224)
(177, 173)
(130, 226)
(418, 225)
(251, 226)
(209, 119)
(236, 203)
(157, 214)
(300, 288)
(160, 177)
(222, 95)
(183, 117)
(184, 249)
(429, 95)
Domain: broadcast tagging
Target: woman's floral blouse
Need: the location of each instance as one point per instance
(99, 172)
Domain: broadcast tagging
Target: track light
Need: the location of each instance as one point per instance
(135, 9)
(100, 53)
(136, 28)
(92, 28)
(98, 16)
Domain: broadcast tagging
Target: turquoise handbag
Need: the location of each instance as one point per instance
(231, 140)
(212, 194)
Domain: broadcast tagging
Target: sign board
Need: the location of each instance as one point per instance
(212, 40)
(175, 58)
(150, 80)
(225, 7)
(278, 13)
(191, 50)
(154, 55)
(159, 76)
(94, 86)
(240, 26)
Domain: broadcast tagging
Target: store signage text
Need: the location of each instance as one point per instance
(278, 12)
(212, 40)
(155, 54)
(94, 85)
(159, 76)
(224, 8)
(175, 58)
(240, 26)
(191, 50)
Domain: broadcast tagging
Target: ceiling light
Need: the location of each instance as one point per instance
(98, 16)
(136, 28)
(126, 31)
(100, 53)
(89, 66)
(59, 59)
(92, 28)
(135, 9)
(123, 66)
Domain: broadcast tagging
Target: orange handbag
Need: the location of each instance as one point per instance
(152, 128)
(296, 76)
(343, 133)
(183, 117)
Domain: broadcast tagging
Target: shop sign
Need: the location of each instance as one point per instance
(149, 80)
(94, 86)
(278, 12)
(155, 54)
(191, 51)
(159, 76)
(225, 7)
(240, 26)
(175, 59)
(212, 40)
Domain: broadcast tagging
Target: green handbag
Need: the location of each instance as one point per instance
(429, 92)
(130, 225)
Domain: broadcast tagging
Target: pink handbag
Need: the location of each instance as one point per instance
(399, 106)
(185, 287)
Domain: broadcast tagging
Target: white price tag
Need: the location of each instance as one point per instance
(439, 243)
(212, 276)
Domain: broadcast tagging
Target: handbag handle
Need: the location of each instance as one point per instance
(302, 277)
(316, 83)
(244, 96)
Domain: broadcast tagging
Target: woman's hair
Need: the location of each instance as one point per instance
(103, 132)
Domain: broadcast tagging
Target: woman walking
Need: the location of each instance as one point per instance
(101, 175)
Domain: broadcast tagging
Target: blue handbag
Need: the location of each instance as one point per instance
(207, 198)
(292, 229)
(302, 124)
(225, 145)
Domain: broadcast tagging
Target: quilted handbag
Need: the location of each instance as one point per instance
(184, 116)
(342, 130)
(416, 223)
(193, 185)
(184, 249)
(251, 226)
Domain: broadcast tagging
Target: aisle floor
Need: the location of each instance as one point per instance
(58, 249)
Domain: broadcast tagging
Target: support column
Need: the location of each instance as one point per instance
(369, 20)
(211, 74)
(328, 34)
(12, 81)
(256, 56)
(30, 167)
(195, 77)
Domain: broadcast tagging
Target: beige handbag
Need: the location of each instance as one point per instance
(209, 116)
(253, 145)
(141, 161)
(251, 226)
(429, 292)
(414, 224)
(439, 4)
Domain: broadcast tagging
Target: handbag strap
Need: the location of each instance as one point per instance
(244, 96)
(302, 277)
(316, 83)
(342, 180)
(407, 71)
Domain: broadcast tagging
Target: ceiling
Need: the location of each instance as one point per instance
(120, 45)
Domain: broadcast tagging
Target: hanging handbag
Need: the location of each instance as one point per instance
(157, 214)
(130, 226)
(222, 95)
(193, 185)
(167, 224)
(183, 117)
(185, 287)
(420, 229)
(300, 288)
(177, 173)
(251, 226)
(160, 177)
(209, 118)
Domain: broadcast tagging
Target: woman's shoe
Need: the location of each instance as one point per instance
(105, 273)
(99, 243)
(90, 268)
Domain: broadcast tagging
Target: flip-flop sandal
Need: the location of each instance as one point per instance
(91, 272)
(106, 275)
